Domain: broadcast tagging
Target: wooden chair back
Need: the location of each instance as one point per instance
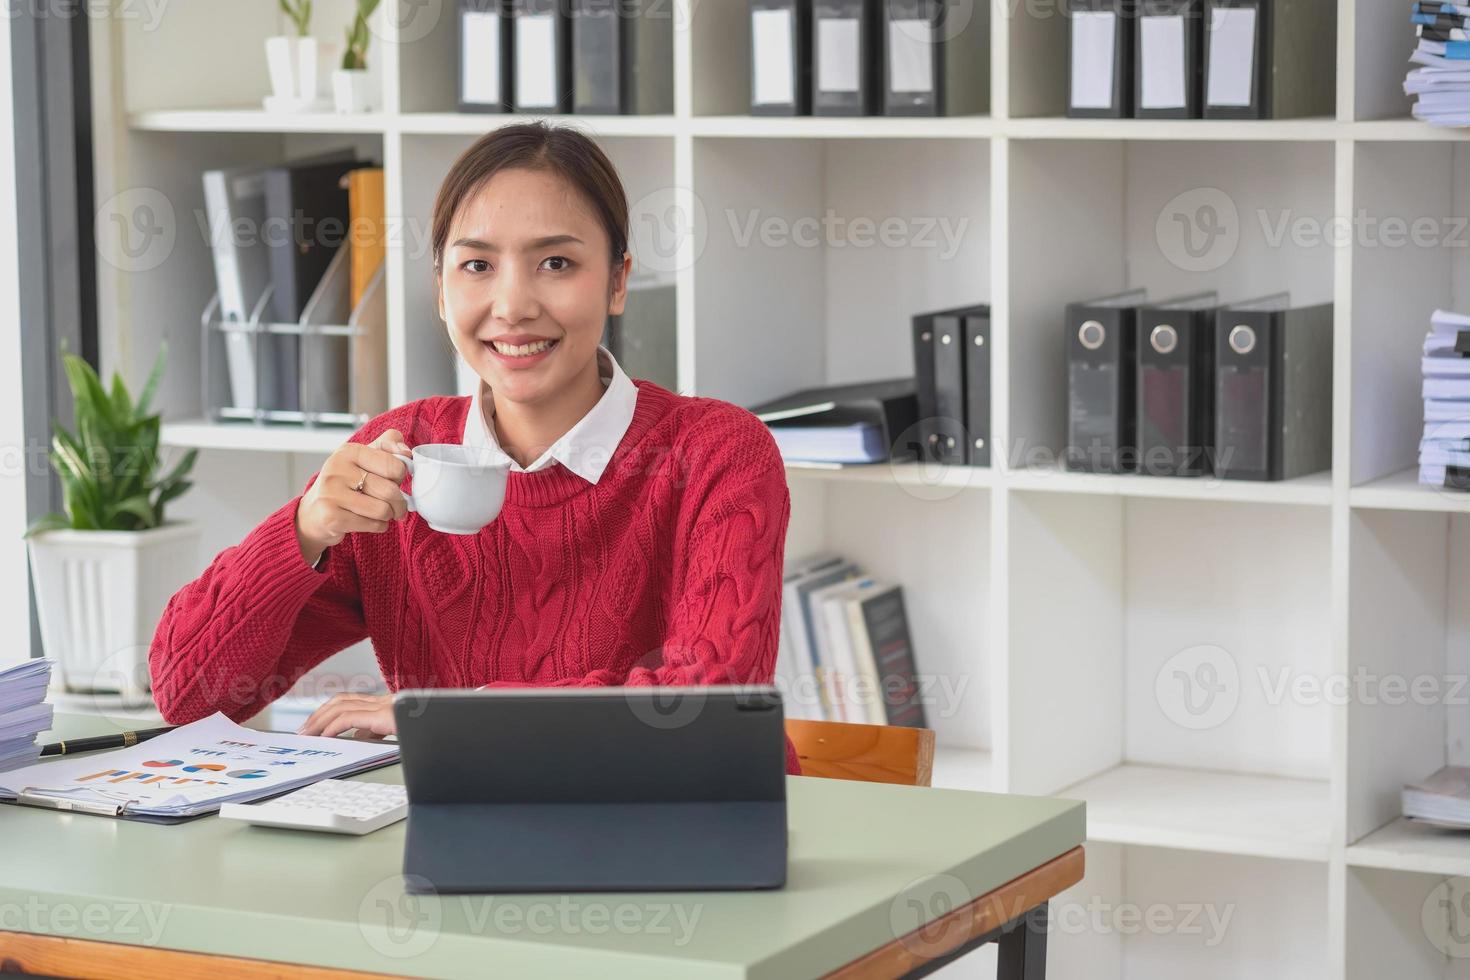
(870, 753)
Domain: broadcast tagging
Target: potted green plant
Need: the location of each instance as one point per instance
(352, 88)
(106, 567)
(292, 61)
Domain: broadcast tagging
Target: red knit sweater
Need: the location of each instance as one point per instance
(665, 572)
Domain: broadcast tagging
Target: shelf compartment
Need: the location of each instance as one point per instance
(1403, 491)
(1315, 489)
(1404, 845)
(1144, 913)
(247, 119)
(203, 434)
(903, 474)
(963, 767)
(847, 127)
(1203, 810)
(1312, 129)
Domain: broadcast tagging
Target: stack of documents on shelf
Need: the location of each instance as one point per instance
(24, 713)
(1443, 83)
(1442, 799)
(845, 652)
(1445, 449)
(190, 770)
(841, 424)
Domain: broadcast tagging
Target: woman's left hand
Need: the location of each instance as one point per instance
(370, 714)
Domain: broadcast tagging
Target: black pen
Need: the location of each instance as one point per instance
(119, 741)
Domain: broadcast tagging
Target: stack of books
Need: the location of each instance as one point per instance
(1443, 83)
(845, 652)
(24, 712)
(1444, 452)
(1443, 799)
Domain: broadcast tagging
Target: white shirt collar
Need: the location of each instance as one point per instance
(586, 447)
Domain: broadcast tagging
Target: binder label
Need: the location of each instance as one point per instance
(773, 39)
(1232, 56)
(1093, 35)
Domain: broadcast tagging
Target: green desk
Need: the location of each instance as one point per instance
(884, 881)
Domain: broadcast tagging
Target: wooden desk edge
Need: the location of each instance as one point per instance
(23, 952)
(92, 959)
(985, 914)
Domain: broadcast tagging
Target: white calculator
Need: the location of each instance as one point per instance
(335, 806)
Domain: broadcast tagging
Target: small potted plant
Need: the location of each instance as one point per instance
(351, 84)
(292, 60)
(105, 569)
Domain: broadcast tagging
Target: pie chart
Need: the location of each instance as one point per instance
(204, 767)
(246, 773)
(162, 763)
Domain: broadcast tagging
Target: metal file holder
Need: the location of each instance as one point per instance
(341, 363)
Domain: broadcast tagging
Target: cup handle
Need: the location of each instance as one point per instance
(408, 497)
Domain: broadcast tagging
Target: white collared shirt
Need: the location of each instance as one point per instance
(586, 447)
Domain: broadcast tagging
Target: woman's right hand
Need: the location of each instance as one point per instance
(331, 508)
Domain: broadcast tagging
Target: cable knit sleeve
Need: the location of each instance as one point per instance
(724, 610)
(238, 636)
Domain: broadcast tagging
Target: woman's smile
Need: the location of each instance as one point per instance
(518, 352)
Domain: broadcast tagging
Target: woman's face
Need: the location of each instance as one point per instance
(528, 284)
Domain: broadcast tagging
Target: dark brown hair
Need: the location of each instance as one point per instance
(560, 150)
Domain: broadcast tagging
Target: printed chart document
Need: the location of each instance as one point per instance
(190, 770)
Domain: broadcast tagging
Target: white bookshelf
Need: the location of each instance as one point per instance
(1052, 603)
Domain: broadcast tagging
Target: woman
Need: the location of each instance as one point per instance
(641, 538)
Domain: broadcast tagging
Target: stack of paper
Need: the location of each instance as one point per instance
(191, 770)
(24, 713)
(1443, 798)
(1445, 448)
(1443, 84)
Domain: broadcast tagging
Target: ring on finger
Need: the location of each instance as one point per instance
(361, 483)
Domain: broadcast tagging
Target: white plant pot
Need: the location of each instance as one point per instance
(308, 78)
(280, 62)
(352, 90)
(99, 595)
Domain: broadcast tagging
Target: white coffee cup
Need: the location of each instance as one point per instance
(456, 489)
